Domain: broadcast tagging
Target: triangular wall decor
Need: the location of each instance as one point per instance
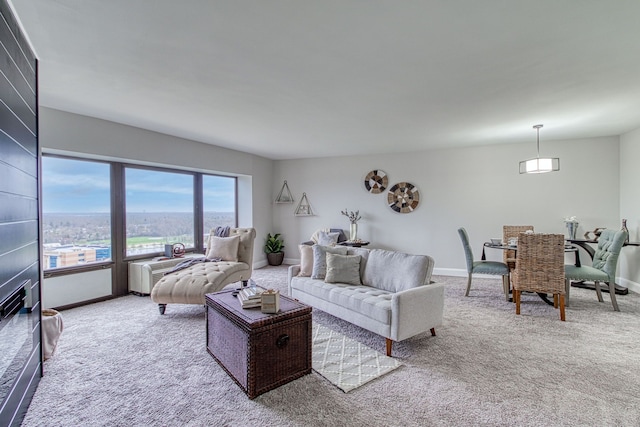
(304, 208)
(284, 196)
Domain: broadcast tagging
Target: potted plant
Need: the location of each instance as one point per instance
(273, 247)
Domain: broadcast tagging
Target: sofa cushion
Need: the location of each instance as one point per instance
(225, 248)
(343, 269)
(306, 260)
(394, 271)
(327, 238)
(371, 302)
(364, 256)
(320, 259)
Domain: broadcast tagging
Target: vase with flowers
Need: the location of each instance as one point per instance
(354, 217)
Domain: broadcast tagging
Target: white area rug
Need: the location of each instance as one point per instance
(345, 362)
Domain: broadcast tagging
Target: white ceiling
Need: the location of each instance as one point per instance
(309, 78)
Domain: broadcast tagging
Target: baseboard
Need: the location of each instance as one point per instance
(286, 261)
(291, 261)
(631, 285)
(458, 272)
(259, 264)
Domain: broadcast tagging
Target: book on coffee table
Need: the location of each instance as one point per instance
(250, 297)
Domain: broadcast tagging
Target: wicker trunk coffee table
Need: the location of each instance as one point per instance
(259, 351)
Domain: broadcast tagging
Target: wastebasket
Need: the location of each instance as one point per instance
(52, 327)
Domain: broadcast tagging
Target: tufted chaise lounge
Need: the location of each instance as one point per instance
(189, 286)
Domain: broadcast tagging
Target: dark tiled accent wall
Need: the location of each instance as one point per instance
(19, 216)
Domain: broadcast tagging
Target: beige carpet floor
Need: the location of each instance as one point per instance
(119, 363)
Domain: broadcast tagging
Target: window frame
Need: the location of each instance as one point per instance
(119, 259)
(61, 271)
(147, 255)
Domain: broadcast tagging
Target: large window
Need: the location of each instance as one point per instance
(159, 208)
(76, 212)
(219, 202)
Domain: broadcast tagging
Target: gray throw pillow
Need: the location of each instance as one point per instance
(327, 239)
(343, 269)
(395, 271)
(320, 259)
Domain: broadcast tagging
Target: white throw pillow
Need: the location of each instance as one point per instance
(225, 248)
(320, 259)
(343, 269)
(306, 260)
(327, 239)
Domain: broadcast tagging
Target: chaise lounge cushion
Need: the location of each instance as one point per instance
(189, 286)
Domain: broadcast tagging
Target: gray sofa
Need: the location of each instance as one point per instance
(395, 298)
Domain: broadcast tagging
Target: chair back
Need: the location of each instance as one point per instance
(468, 252)
(540, 263)
(245, 247)
(609, 246)
(509, 231)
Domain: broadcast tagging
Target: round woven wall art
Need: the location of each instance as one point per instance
(376, 181)
(403, 197)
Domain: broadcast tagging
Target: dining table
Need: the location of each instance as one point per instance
(568, 247)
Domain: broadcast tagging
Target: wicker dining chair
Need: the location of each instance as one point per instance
(540, 268)
(495, 268)
(508, 232)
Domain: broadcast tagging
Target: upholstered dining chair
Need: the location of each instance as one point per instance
(603, 266)
(495, 268)
(508, 232)
(540, 268)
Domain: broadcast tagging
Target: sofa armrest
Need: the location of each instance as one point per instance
(430, 266)
(416, 310)
(292, 272)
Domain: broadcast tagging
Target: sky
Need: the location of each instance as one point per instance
(76, 186)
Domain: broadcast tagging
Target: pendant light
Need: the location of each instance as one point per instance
(540, 164)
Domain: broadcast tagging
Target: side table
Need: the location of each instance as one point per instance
(259, 351)
(357, 244)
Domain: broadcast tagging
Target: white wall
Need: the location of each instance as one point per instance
(75, 288)
(478, 188)
(73, 134)
(630, 207)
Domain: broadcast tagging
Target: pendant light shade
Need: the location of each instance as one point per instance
(540, 164)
